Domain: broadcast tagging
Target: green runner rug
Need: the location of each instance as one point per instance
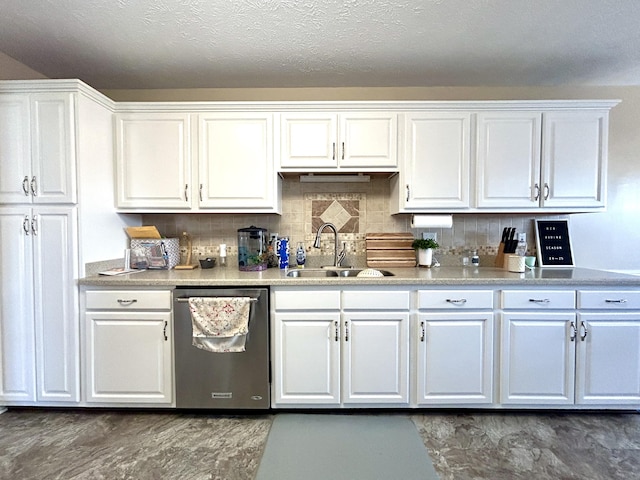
(344, 447)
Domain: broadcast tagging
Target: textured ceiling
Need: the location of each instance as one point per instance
(324, 43)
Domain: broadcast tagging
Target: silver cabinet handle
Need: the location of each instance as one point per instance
(126, 303)
(346, 331)
(621, 300)
(186, 192)
(583, 331)
(34, 225)
(164, 331)
(34, 186)
(572, 326)
(408, 192)
(25, 186)
(546, 191)
(460, 301)
(422, 332)
(200, 192)
(342, 150)
(25, 225)
(540, 300)
(337, 330)
(334, 151)
(536, 190)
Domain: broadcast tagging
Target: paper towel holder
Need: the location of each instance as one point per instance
(431, 221)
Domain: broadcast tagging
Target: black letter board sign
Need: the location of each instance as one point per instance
(553, 243)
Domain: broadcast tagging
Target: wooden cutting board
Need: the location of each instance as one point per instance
(390, 250)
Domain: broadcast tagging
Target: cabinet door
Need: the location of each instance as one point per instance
(368, 140)
(375, 357)
(56, 304)
(15, 149)
(437, 160)
(307, 358)
(236, 169)
(537, 363)
(574, 159)
(17, 337)
(608, 366)
(53, 177)
(508, 159)
(129, 357)
(308, 140)
(153, 160)
(455, 358)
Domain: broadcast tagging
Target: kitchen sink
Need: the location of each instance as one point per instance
(311, 273)
(331, 273)
(354, 273)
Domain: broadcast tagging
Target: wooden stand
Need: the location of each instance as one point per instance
(187, 265)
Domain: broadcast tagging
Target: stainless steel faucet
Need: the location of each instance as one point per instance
(338, 257)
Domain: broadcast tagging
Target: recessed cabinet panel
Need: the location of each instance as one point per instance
(608, 359)
(53, 133)
(307, 360)
(508, 159)
(153, 159)
(574, 159)
(537, 358)
(15, 149)
(308, 140)
(375, 358)
(437, 160)
(17, 333)
(236, 169)
(455, 358)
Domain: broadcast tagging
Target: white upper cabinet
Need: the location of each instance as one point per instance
(190, 161)
(435, 171)
(37, 148)
(350, 141)
(153, 159)
(236, 167)
(574, 158)
(555, 160)
(508, 159)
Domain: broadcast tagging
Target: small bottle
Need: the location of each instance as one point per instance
(475, 259)
(301, 255)
(223, 254)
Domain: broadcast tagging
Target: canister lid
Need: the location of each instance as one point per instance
(253, 231)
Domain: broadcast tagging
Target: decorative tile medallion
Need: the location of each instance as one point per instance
(341, 209)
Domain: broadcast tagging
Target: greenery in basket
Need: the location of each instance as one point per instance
(424, 243)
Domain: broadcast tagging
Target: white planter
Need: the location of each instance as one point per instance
(425, 257)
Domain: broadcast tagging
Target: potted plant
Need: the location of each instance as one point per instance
(425, 247)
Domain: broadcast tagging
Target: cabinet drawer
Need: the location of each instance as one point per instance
(307, 300)
(455, 299)
(609, 299)
(375, 300)
(538, 299)
(128, 300)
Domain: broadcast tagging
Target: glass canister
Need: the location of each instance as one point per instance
(252, 249)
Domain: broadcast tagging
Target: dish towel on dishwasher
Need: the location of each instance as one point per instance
(220, 324)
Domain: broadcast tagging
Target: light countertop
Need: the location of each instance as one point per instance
(436, 276)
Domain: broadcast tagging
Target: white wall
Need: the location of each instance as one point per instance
(11, 69)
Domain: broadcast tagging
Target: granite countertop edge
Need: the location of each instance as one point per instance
(436, 276)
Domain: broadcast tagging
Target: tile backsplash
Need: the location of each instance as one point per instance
(354, 208)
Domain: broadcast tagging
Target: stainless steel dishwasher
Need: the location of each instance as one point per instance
(238, 380)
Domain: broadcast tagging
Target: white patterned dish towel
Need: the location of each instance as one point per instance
(220, 324)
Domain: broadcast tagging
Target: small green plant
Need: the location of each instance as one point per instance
(424, 243)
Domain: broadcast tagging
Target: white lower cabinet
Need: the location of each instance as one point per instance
(455, 347)
(39, 361)
(128, 347)
(608, 341)
(336, 352)
(538, 358)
